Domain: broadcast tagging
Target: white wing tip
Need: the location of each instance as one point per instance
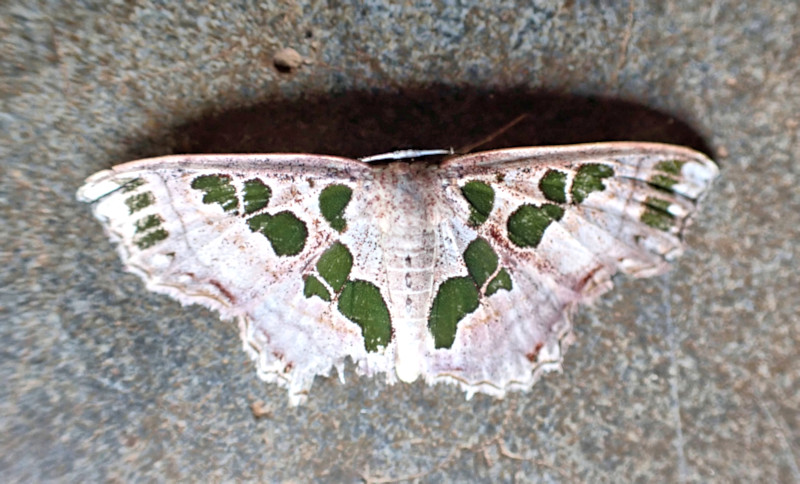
(97, 186)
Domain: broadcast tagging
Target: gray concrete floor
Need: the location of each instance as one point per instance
(692, 376)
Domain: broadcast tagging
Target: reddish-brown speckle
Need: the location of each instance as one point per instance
(225, 292)
(588, 277)
(535, 353)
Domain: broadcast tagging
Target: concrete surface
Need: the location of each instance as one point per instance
(689, 377)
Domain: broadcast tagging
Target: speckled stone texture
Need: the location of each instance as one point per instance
(692, 376)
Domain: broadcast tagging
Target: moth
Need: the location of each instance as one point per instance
(461, 271)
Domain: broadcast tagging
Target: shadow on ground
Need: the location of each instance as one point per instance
(361, 123)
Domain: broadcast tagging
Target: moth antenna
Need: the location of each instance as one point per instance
(492, 136)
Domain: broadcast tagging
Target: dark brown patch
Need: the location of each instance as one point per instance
(497, 235)
(225, 292)
(535, 353)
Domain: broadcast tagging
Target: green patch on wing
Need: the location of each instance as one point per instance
(459, 296)
(658, 204)
(588, 179)
(501, 281)
(150, 238)
(362, 303)
(656, 214)
(481, 200)
(149, 231)
(313, 287)
(671, 166)
(663, 182)
(256, 195)
(332, 202)
(481, 261)
(139, 201)
(334, 265)
(284, 230)
(149, 222)
(554, 186)
(455, 298)
(132, 185)
(359, 301)
(526, 226)
(657, 219)
(217, 189)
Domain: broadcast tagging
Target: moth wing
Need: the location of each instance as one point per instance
(563, 220)
(242, 234)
